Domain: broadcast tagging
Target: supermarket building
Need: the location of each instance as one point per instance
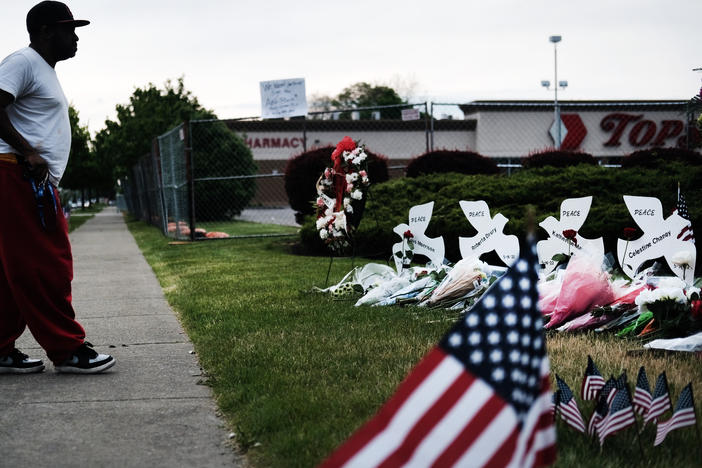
(496, 129)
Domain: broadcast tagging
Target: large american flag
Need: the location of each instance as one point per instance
(642, 393)
(479, 398)
(683, 416)
(567, 407)
(661, 399)
(592, 381)
(620, 416)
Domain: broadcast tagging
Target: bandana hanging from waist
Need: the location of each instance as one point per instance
(43, 192)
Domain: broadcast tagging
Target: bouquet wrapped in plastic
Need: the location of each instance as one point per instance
(467, 279)
(585, 286)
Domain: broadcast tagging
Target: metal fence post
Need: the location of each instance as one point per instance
(427, 124)
(304, 133)
(189, 176)
(431, 119)
(158, 183)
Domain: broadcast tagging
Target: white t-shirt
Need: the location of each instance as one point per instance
(40, 109)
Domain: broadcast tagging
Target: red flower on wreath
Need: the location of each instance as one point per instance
(408, 234)
(346, 144)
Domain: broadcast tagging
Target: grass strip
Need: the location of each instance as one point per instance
(295, 373)
(74, 222)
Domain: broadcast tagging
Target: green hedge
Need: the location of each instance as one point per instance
(542, 188)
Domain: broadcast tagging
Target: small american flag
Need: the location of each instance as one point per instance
(480, 397)
(621, 415)
(683, 416)
(567, 407)
(686, 233)
(609, 387)
(592, 381)
(619, 385)
(598, 415)
(661, 399)
(642, 393)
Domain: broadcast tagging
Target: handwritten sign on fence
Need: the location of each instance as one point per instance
(283, 98)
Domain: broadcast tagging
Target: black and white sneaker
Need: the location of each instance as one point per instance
(86, 360)
(19, 363)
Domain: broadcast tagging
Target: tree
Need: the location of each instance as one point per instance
(220, 157)
(360, 95)
(150, 112)
(82, 170)
(221, 162)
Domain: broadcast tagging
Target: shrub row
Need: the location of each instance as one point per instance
(442, 161)
(542, 188)
(303, 171)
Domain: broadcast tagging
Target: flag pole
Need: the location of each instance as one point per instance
(697, 427)
(670, 402)
(555, 408)
(636, 423)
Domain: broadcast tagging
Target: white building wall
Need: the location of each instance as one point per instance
(512, 133)
(393, 144)
(499, 133)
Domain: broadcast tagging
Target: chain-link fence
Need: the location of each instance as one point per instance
(142, 191)
(218, 178)
(170, 152)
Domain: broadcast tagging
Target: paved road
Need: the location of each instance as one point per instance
(282, 216)
(149, 409)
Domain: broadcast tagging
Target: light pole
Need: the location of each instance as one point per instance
(546, 84)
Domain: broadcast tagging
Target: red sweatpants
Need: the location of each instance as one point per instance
(36, 269)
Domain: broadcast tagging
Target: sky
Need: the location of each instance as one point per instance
(444, 51)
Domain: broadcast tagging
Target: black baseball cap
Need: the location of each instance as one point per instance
(49, 13)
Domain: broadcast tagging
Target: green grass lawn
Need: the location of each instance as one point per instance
(246, 228)
(295, 373)
(74, 222)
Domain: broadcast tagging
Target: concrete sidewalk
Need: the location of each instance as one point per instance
(149, 409)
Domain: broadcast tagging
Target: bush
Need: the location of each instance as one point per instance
(219, 152)
(557, 158)
(303, 171)
(656, 157)
(442, 161)
(544, 189)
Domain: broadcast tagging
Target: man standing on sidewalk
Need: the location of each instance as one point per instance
(36, 266)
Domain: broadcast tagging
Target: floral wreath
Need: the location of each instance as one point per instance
(340, 188)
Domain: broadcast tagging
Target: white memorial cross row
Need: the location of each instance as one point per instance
(661, 238)
(432, 248)
(490, 236)
(573, 214)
